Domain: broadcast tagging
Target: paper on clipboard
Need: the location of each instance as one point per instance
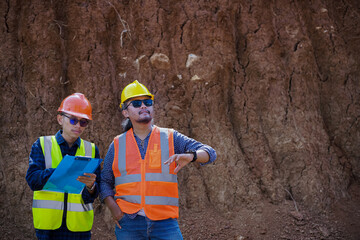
(64, 177)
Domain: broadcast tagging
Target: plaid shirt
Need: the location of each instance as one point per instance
(182, 144)
(37, 176)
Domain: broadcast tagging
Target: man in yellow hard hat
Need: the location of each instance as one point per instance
(58, 215)
(141, 165)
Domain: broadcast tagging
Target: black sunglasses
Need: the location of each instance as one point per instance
(138, 103)
(74, 121)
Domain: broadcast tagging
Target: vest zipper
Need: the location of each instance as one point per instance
(142, 188)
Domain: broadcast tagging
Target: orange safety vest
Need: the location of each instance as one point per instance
(146, 183)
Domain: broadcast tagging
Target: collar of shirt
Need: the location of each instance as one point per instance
(145, 140)
(61, 140)
(142, 144)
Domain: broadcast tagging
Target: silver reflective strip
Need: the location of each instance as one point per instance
(161, 177)
(128, 179)
(88, 149)
(78, 207)
(164, 143)
(161, 201)
(47, 151)
(130, 198)
(48, 204)
(122, 154)
(165, 154)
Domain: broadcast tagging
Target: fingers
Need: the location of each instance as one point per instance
(117, 219)
(88, 179)
(172, 159)
(180, 159)
(90, 174)
(178, 167)
(117, 223)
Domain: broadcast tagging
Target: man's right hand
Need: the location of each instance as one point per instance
(117, 215)
(116, 212)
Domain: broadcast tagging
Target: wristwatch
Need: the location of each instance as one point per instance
(194, 153)
(92, 188)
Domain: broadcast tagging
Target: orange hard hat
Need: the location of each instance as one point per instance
(76, 105)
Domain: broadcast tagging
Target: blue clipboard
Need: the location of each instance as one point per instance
(64, 177)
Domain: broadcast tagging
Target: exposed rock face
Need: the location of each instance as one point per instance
(276, 90)
(160, 61)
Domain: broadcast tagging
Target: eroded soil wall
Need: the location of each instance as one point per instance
(273, 86)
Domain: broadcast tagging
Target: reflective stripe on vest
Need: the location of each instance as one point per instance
(161, 201)
(48, 206)
(50, 152)
(78, 207)
(158, 179)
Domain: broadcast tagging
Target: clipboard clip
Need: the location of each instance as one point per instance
(83, 158)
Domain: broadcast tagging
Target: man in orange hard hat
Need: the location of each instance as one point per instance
(141, 164)
(60, 215)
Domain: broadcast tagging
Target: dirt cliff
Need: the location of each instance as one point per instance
(273, 86)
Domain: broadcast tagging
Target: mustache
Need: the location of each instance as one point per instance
(145, 110)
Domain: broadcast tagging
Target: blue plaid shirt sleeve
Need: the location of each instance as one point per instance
(37, 175)
(107, 176)
(183, 144)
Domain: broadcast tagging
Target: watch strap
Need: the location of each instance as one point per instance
(92, 187)
(194, 153)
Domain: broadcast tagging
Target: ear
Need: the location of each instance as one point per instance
(125, 113)
(60, 119)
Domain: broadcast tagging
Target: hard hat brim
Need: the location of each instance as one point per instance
(139, 95)
(80, 115)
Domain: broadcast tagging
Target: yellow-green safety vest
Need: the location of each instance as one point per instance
(48, 206)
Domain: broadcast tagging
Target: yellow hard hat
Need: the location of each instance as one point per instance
(134, 89)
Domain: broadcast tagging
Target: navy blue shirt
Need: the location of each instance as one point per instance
(37, 174)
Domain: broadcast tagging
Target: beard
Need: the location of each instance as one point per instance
(146, 119)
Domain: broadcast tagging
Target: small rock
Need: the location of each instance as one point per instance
(195, 78)
(191, 59)
(297, 215)
(160, 61)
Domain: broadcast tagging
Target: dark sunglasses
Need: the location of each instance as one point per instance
(138, 103)
(74, 121)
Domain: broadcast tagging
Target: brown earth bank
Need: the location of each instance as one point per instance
(264, 220)
(287, 220)
(272, 86)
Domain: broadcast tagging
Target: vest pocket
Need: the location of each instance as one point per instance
(48, 208)
(155, 158)
(79, 215)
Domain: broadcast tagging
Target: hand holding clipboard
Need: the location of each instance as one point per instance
(65, 177)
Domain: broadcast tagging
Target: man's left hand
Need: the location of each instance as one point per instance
(88, 179)
(181, 160)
